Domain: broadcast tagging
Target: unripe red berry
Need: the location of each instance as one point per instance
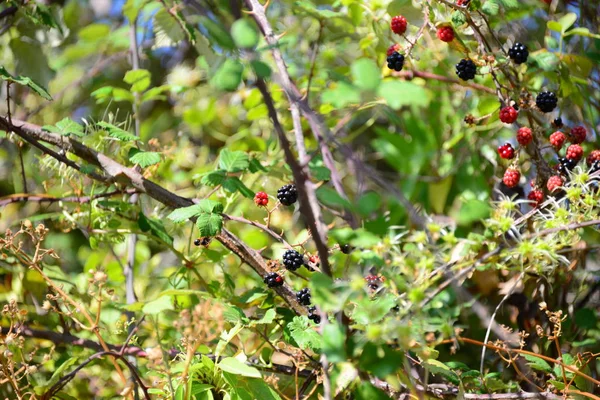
(506, 151)
(575, 152)
(536, 196)
(393, 48)
(578, 134)
(592, 157)
(524, 136)
(261, 199)
(554, 182)
(557, 139)
(462, 3)
(511, 177)
(445, 33)
(508, 115)
(399, 24)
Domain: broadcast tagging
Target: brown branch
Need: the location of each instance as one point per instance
(408, 75)
(309, 205)
(43, 198)
(135, 351)
(123, 175)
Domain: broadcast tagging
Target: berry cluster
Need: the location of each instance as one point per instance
(261, 199)
(373, 281)
(518, 53)
(506, 151)
(287, 194)
(445, 34)
(273, 279)
(293, 260)
(395, 61)
(313, 315)
(303, 296)
(399, 24)
(508, 115)
(466, 69)
(546, 101)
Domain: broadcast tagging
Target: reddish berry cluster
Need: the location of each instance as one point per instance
(511, 177)
(261, 199)
(536, 196)
(554, 182)
(578, 134)
(399, 24)
(445, 33)
(393, 48)
(557, 139)
(508, 115)
(574, 152)
(593, 157)
(506, 151)
(524, 136)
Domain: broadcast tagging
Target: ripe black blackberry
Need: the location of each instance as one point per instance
(287, 194)
(303, 296)
(565, 165)
(273, 279)
(395, 61)
(466, 69)
(595, 167)
(546, 101)
(518, 53)
(312, 315)
(346, 248)
(293, 260)
(557, 123)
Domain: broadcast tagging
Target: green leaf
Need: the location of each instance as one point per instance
(155, 226)
(139, 79)
(341, 94)
(582, 32)
(334, 342)
(304, 334)
(366, 391)
(233, 161)
(546, 60)
(229, 76)
(170, 29)
(458, 19)
(66, 127)
(205, 206)
(380, 360)
(117, 133)
(261, 69)
(537, 363)
(235, 366)
(58, 373)
(365, 74)
(213, 178)
(30, 60)
(398, 94)
(368, 203)
(217, 34)
(234, 184)
(268, 318)
(132, 8)
(566, 21)
(244, 34)
(25, 81)
(143, 158)
(209, 224)
(158, 306)
(94, 32)
(586, 318)
(490, 7)
(554, 26)
(331, 198)
(438, 368)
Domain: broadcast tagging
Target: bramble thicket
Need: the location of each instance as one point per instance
(311, 199)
